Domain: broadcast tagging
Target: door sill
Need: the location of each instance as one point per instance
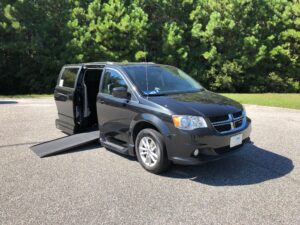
(110, 144)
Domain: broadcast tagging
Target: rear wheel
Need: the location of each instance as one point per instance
(150, 151)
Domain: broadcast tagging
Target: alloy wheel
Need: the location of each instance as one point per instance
(149, 151)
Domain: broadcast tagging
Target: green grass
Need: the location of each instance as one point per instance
(27, 96)
(291, 101)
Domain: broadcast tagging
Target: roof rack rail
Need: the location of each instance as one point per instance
(113, 63)
(138, 62)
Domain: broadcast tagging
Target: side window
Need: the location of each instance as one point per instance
(68, 77)
(111, 80)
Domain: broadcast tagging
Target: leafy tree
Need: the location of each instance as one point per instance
(228, 45)
(108, 31)
(244, 45)
(33, 42)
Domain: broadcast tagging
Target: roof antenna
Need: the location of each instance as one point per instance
(147, 85)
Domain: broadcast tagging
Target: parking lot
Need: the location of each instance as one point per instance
(90, 185)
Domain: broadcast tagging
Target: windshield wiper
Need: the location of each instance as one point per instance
(156, 94)
(173, 92)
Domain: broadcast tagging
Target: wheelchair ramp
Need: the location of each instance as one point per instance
(65, 143)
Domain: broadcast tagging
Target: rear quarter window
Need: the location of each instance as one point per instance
(68, 77)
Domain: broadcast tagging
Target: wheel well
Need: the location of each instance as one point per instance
(140, 126)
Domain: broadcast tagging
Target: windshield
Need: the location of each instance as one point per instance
(162, 79)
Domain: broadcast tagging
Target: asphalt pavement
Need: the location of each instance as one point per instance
(90, 185)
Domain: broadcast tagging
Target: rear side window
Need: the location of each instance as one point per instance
(68, 77)
(111, 80)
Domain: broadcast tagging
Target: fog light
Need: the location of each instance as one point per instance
(196, 152)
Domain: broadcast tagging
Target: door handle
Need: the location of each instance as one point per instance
(61, 97)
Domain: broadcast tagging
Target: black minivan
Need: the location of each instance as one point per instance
(156, 112)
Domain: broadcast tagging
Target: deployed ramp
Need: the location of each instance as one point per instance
(65, 143)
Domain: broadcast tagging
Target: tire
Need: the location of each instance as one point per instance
(146, 152)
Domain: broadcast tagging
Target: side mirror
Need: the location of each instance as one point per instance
(120, 92)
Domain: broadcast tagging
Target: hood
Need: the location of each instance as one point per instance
(203, 103)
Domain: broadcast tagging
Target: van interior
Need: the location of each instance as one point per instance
(85, 106)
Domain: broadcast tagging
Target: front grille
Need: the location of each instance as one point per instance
(223, 127)
(218, 118)
(229, 122)
(237, 114)
(238, 123)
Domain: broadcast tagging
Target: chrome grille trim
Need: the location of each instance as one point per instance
(231, 121)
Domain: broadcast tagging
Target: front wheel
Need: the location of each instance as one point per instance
(150, 151)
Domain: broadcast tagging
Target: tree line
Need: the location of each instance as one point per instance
(227, 45)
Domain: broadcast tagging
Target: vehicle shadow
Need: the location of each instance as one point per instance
(4, 102)
(250, 166)
(128, 157)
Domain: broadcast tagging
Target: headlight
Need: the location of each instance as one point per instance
(189, 122)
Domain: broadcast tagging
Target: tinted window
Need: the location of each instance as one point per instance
(111, 80)
(68, 77)
(161, 79)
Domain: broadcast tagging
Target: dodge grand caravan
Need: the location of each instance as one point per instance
(155, 112)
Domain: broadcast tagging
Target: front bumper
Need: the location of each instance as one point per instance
(211, 145)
